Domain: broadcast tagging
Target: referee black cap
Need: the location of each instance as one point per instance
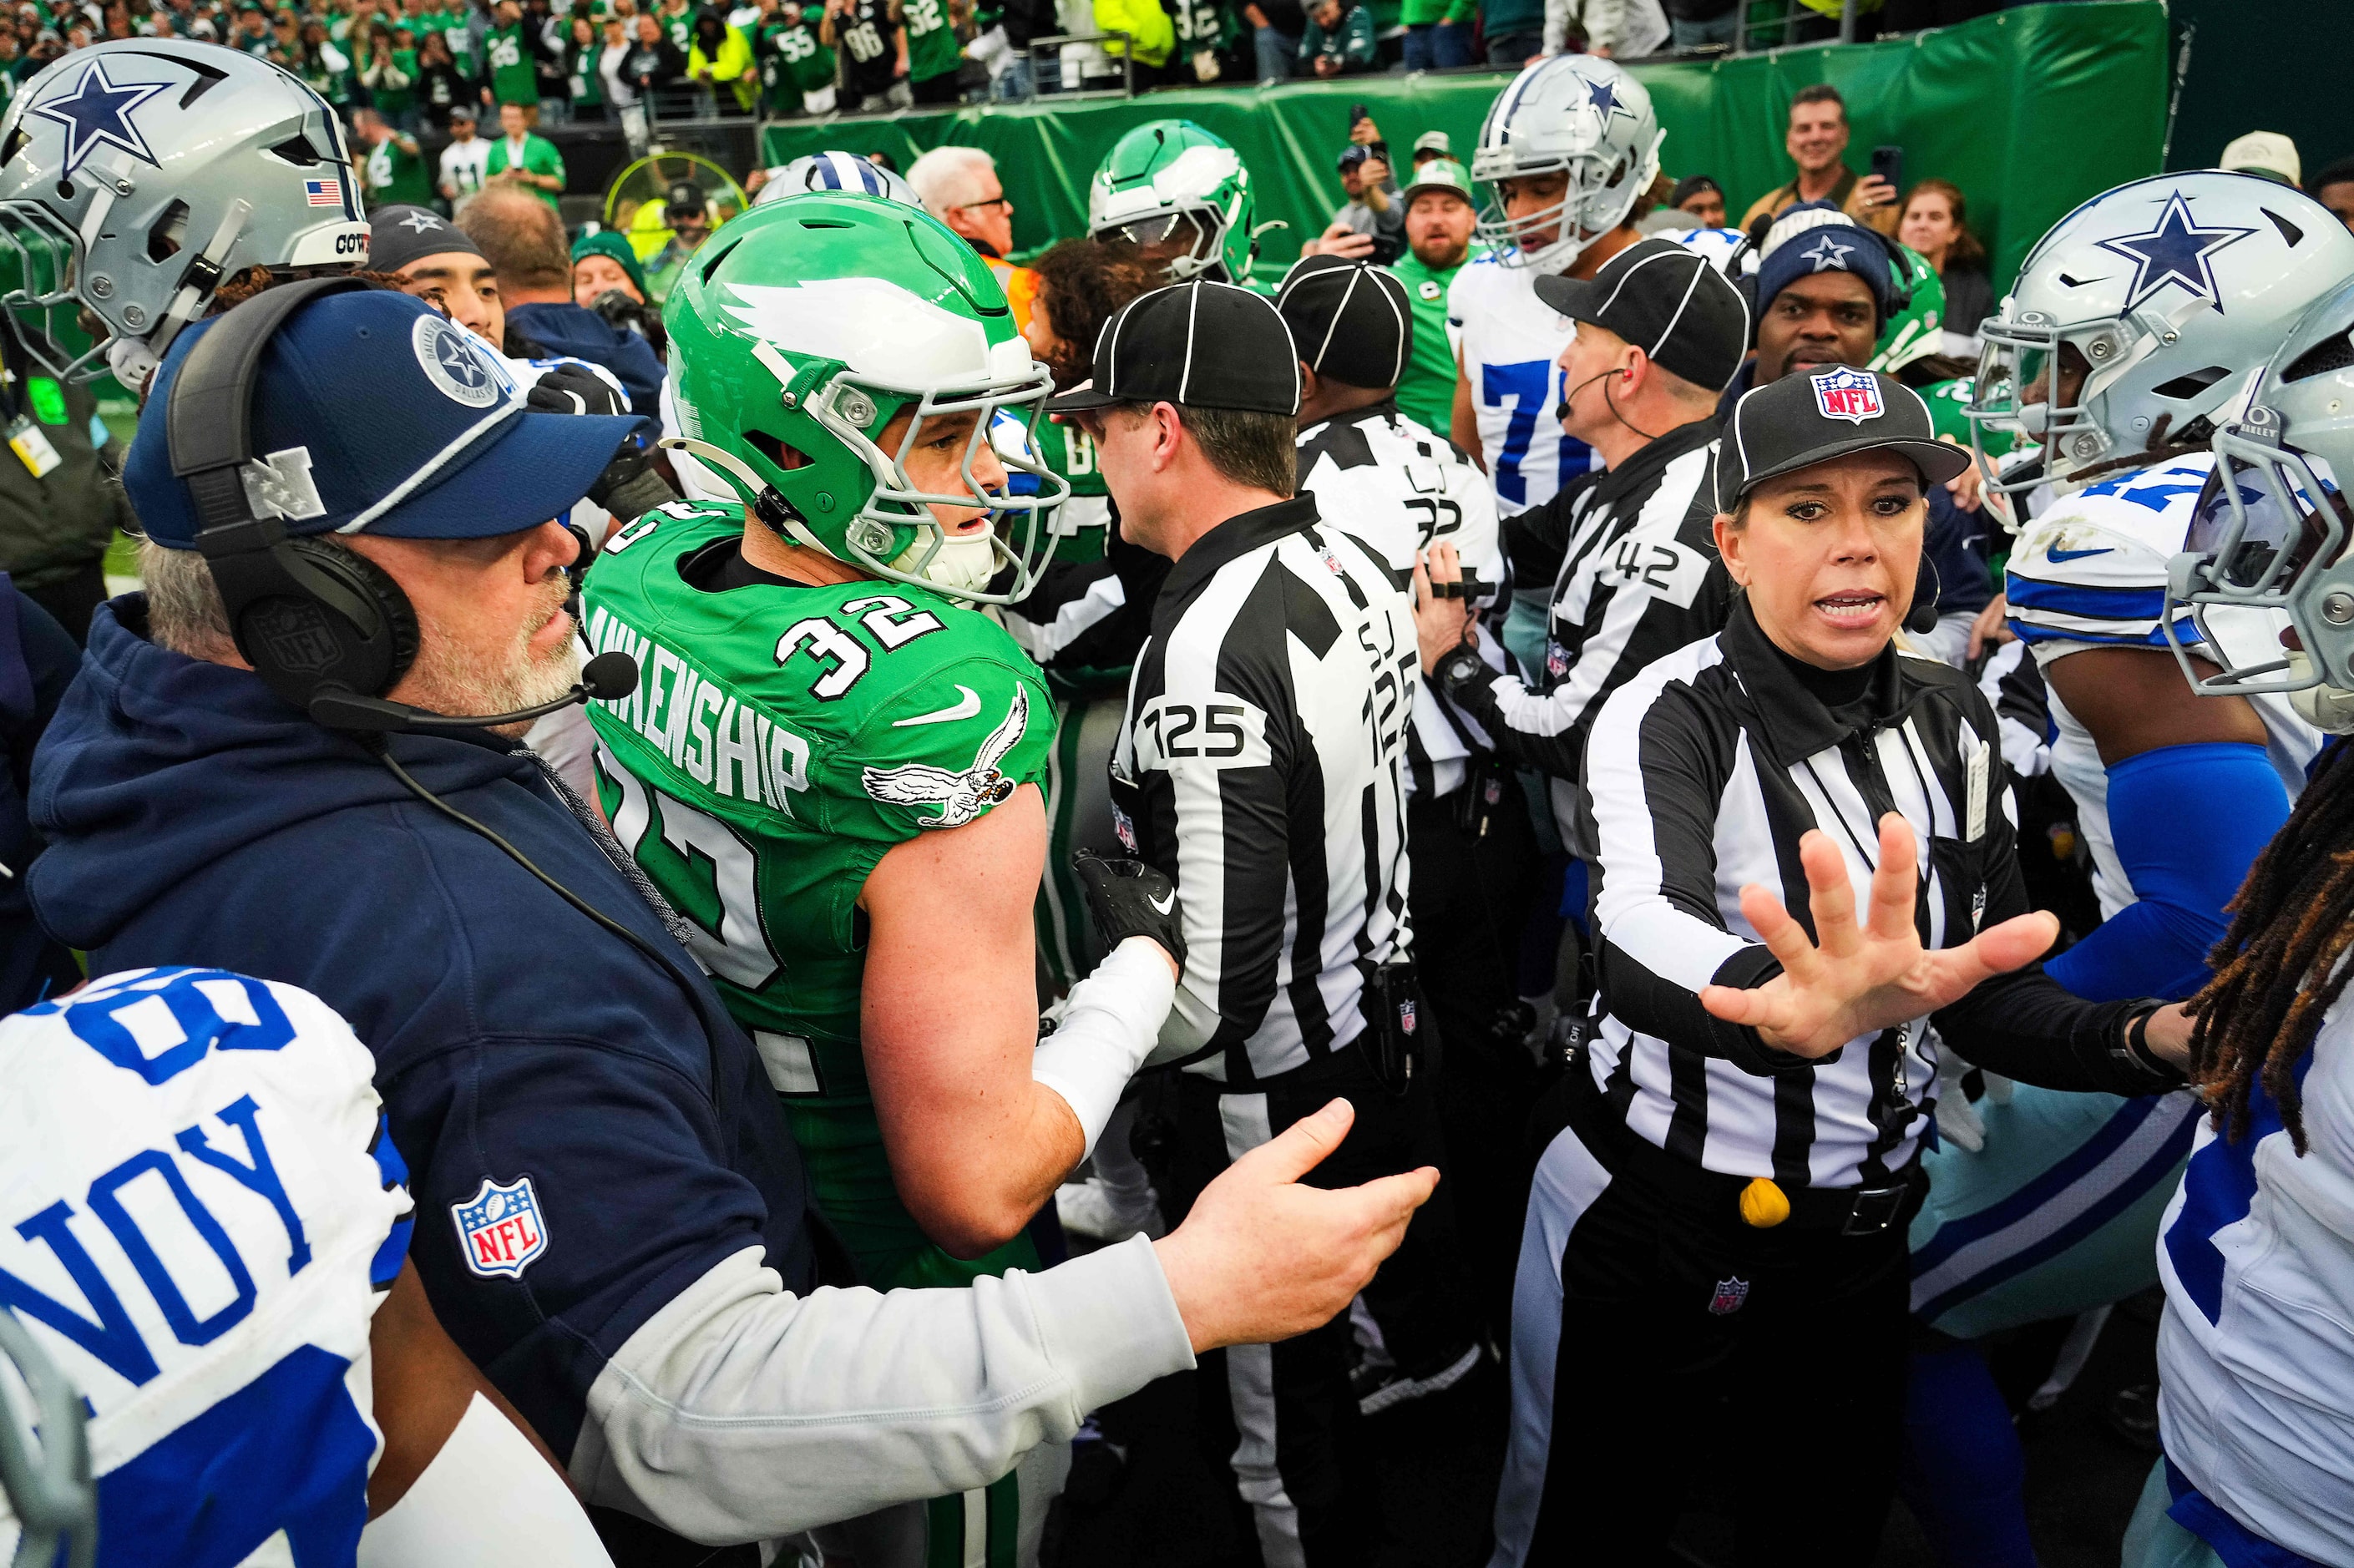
(1350, 319)
(1200, 344)
(1668, 302)
(1831, 411)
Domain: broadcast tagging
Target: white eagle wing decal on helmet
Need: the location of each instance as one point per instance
(871, 324)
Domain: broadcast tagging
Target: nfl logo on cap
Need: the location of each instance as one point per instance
(1850, 395)
(500, 1228)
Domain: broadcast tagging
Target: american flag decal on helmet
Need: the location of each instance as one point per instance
(323, 193)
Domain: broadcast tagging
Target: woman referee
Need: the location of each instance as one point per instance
(1713, 1268)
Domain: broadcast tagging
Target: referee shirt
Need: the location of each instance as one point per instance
(1639, 578)
(1259, 765)
(1702, 774)
(1404, 489)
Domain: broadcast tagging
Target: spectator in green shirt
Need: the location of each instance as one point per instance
(1437, 33)
(1515, 30)
(524, 159)
(933, 53)
(795, 68)
(1440, 211)
(583, 52)
(1340, 37)
(394, 170)
(512, 78)
(389, 75)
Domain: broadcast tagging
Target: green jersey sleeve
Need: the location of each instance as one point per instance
(946, 747)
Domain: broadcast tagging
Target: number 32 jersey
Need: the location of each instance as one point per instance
(200, 1209)
(783, 738)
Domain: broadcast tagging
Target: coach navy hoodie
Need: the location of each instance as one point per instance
(557, 330)
(194, 817)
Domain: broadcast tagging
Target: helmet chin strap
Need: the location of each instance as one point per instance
(2324, 706)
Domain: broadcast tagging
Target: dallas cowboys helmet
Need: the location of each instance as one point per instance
(2167, 296)
(46, 1495)
(135, 175)
(2271, 530)
(1573, 114)
(836, 172)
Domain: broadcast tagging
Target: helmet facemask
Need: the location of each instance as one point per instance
(1599, 193)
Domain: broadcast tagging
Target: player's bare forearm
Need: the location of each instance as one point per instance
(948, 1013)
(1463, 424)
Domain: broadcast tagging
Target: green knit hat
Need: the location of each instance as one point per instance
(615, 247)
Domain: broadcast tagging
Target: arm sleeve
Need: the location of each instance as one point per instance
(1670, 593)
(1652, 789)
(740, 1412)
(2157, 945)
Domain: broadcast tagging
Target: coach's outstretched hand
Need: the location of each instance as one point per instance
(1262, 1258)
(1857, 980)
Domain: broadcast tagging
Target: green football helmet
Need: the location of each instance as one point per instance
(803, 328)
(1168, 175)
(1914, 332)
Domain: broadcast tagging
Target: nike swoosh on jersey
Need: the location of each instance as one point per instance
(2076, 555)
(1162, 906)
(963, 710)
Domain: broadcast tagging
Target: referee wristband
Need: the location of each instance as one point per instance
(2133, 1044)
(1110, 1026)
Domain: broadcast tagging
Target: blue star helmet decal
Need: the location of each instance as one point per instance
(1604, 102)
(97, 112)
(2175, 250)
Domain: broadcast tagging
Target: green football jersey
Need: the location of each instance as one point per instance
(514, 79)
(1946, 399)
(932, 48)
(781, 739)
(792, 62)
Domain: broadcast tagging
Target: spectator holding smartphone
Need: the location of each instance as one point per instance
(1340, 37)
(1372, 225)
(1816, 139)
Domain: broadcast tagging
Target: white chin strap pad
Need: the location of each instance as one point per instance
(488, 1500)
(1110, 1026)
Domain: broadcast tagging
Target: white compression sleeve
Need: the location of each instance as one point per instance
(488, 1500)
(1110, 1025)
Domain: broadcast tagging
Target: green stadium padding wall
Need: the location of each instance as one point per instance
(2029, 111)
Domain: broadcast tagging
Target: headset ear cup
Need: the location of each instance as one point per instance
(391, 645)
(311, 616)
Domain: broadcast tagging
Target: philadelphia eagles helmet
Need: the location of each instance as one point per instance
(1915, 324)
(137, 175)
(1170, 180)
(802, 329)
(2272, 527)
(2166, 297)
(1573, 114)
(47, 1500)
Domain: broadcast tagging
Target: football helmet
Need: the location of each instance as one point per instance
(2271, 530)
(802, 329)
(1573, 114)
(1916, 316)
(138, 174)
(2167, 295)
(1169, 179)
(836, 172)
(46, 1491)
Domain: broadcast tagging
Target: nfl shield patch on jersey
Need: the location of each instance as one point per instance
(501, 1228)
(1850, 395)
(1730, 1295)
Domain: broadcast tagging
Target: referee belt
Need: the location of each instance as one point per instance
(1848, 1211)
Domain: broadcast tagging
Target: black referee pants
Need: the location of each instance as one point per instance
(1281, 1417)
(1656, 1341)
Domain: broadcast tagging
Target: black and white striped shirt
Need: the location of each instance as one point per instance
(1260, 764)
(1404, 489)
(1702, 772)
(1638, 579)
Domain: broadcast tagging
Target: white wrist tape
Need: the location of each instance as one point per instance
(1110, 1025)
(488, 1500)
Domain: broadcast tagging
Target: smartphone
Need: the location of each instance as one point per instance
(1356, 111)
(1888, 162)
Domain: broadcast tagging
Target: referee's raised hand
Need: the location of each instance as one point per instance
(1858, 979)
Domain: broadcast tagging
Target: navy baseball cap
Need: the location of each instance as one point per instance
(374, 413)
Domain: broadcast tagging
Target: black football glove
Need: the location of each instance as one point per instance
(630, 485)
(1128, 898)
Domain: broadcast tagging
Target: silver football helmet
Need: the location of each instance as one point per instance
(1573, 114)
(2165, 296)
(2271, 526)
(836, 172)
(46, 1494)
(138, 174)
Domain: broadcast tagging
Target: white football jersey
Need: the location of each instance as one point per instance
(1509, 340)
(1383, 478)
(2089, 572)
(199, 1211)
(2255, 1365)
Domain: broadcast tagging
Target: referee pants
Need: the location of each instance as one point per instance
(1281, 1416)
(1654, 1337)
